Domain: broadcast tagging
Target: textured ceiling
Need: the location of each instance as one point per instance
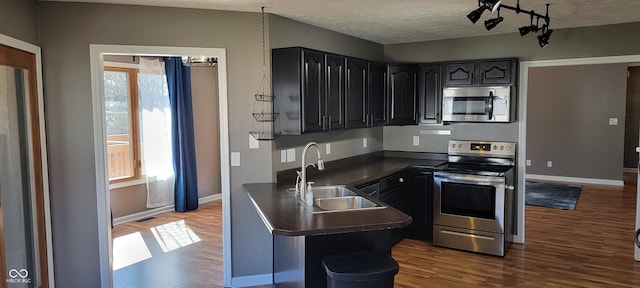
(401, 21)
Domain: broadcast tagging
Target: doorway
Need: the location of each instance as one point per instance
(25, 230)
(97, 53)
(523, 89)
(632, 119)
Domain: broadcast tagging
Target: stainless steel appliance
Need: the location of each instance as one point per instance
(478, 104)
(474, 197)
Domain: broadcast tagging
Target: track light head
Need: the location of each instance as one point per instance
(475, 14)
(543, 39)
(524, 30)
(492, 23)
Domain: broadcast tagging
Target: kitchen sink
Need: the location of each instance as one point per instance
(329, 191)
(344, 203)
(332, 191)
(338, 198)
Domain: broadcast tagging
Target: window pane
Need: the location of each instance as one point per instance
(119, 149)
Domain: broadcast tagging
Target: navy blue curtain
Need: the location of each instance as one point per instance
(184, 152)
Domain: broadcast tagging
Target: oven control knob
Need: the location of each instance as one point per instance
(495, 147)
(501, 147)
(508, 148)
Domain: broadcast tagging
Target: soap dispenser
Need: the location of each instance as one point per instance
(308, 197)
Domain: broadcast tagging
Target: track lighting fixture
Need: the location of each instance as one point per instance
(496, 5)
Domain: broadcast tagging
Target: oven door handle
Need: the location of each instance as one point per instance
(470, 179)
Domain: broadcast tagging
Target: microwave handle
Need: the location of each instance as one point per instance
(491, 105)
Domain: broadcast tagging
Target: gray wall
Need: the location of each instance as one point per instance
(18, 20)
(400, 138)
(568, 111)
(632, 121)
(204, 83)
(67, 29)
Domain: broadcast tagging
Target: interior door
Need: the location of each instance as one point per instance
(23, 248)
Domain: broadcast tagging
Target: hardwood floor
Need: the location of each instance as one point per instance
(589, 247)
(191, 263)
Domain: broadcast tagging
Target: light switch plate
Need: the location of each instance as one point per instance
(528, 162)
(416, 140)
(365, 143)
(328, 148)
(549, 164)
(291, 155)
(253, 143)
(613, 121)
(283, 156)
(235, 158)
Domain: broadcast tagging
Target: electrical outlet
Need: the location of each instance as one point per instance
(235, 158)
(416, 140)
(528, 162)
(364, 143)
(328, 148)
(283, 156)
(291, 155)
(549, 164)
(613, 121)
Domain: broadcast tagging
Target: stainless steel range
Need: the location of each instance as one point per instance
(473, 197)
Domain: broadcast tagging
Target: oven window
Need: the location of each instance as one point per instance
(468, 200)
(469, 106)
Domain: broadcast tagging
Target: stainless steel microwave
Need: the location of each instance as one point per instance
(478, 104)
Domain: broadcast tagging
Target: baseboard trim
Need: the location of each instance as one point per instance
(575, 180)
(252, 280)
(159, 210)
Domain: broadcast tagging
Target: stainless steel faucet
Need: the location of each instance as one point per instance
(303, 172)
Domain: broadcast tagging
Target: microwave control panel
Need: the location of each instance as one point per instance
(464, 147)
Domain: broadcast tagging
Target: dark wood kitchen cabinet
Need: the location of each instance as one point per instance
(356, 92)
(308, 86)
(402, 98)
(480, 73)
(420, 205)
(364, 95)
(393, 191)
(430, 93)
(376, 93)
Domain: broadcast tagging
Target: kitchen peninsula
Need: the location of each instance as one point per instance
(302, 238)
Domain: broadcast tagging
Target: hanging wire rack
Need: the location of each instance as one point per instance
(264, 112)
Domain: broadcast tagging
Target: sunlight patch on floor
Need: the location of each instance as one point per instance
(128, 250)
(173, 235)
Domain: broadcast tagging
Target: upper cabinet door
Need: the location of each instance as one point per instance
(334, 109)
(495, 72)
(430, 93)
(356, 93)
(313, 91)
(376, 94)
(459, 74)
(402, 101)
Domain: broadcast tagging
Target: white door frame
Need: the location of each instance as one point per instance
(24, 46)
(522, 140)
(102, 184)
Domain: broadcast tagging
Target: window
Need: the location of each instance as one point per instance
(123, 133)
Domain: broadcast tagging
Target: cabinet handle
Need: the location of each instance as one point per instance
(329, 122)
(401, 180)
(324, 127)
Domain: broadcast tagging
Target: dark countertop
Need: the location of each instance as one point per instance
(283, 214)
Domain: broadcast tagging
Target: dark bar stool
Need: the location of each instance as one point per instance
(360, 270)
